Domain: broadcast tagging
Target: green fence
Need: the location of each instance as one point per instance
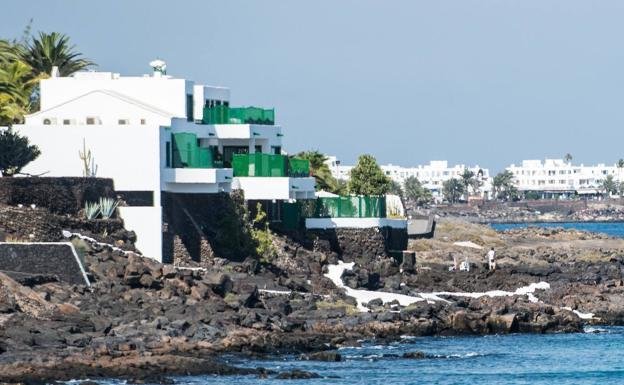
(186, 153)
(350, 207)
(259, 164)
(238, 115)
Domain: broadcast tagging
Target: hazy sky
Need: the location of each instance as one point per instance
(489, 82)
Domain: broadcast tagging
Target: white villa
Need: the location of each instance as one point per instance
(156, 135)
(431, 175)
(555, 178)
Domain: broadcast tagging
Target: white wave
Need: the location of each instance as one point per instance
(334, 273)
(579, 314)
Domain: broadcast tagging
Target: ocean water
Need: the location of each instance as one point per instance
(580, 358)
(614, 229)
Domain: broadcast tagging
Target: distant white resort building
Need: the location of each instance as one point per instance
(556, 178)
(431, 175)
(157, 136)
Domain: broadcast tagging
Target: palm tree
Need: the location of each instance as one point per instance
(54, 49)
(320, 171)
(567, 158)
(16, 88)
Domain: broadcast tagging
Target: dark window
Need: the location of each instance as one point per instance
(227, 104)
(189, 107)
(137, 198)
(277, 150)
(258, 148)
(168, 154)
(229, 151)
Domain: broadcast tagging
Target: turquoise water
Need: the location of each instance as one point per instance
(582, 358)
(615, 229)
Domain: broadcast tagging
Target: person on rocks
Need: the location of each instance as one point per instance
(491, 259)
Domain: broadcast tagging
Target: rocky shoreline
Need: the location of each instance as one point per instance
(142, 320)
(531, 211)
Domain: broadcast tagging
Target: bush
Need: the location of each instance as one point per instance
(262, 236)
(15, 152)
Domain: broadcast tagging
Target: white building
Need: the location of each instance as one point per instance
(431, 175)
(554, 178)
(156, 134)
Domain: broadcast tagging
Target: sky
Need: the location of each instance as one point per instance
(488, 82)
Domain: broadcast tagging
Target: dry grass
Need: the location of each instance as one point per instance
(349, 308)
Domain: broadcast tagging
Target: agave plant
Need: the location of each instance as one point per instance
(108, 207)
(91, 210)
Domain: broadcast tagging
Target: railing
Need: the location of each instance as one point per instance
(186, 153)
(238, 115)
(259, 164)
(349, 207)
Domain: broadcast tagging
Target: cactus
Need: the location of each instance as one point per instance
(88, 161)
(108, 207)
(91, 210)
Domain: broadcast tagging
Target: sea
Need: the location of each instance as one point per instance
(593, 357)
(614, 229)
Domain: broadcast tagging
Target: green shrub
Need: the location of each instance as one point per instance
(15, 152)
(262, 236)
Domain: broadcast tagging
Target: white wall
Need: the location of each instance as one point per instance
(202, 93)
(269, 188)
(106, 108)
(146, 222)
(128, 154)
(354, 223)
(165, 93)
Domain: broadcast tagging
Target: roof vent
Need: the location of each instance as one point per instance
(159, 67)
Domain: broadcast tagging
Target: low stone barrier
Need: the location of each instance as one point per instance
(55, 259)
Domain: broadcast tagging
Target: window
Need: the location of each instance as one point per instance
(168, 154)
(143, 121)
(90, 120)
(47, 121)
(189, 107)
(66, 121)
(123, 122)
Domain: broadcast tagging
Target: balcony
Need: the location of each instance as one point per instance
(269, 165)
(197, 180)
(238, 115)
(185, 153)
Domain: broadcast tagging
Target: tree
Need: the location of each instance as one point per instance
(16, 89)
(416, 192)
(470, 181)
(504, 187)
(54, 49)
(321, 172)
(567, 158)
(453, 189)
(367, 178)
(15, 152)
(609, 186)
(620, 163)
(24, 62)
(395, 188)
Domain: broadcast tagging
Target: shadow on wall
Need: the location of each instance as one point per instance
(202, 226)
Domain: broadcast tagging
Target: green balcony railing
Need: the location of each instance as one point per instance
(238, 115)
(350, 207)
(259, 164)
(186, 153)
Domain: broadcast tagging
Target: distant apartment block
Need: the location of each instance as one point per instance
(555, 178)
(431, 175)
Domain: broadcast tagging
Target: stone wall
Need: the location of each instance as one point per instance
(39, 225)
(362, 244)
(202, 226)
(53, 260)
(62, 195)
